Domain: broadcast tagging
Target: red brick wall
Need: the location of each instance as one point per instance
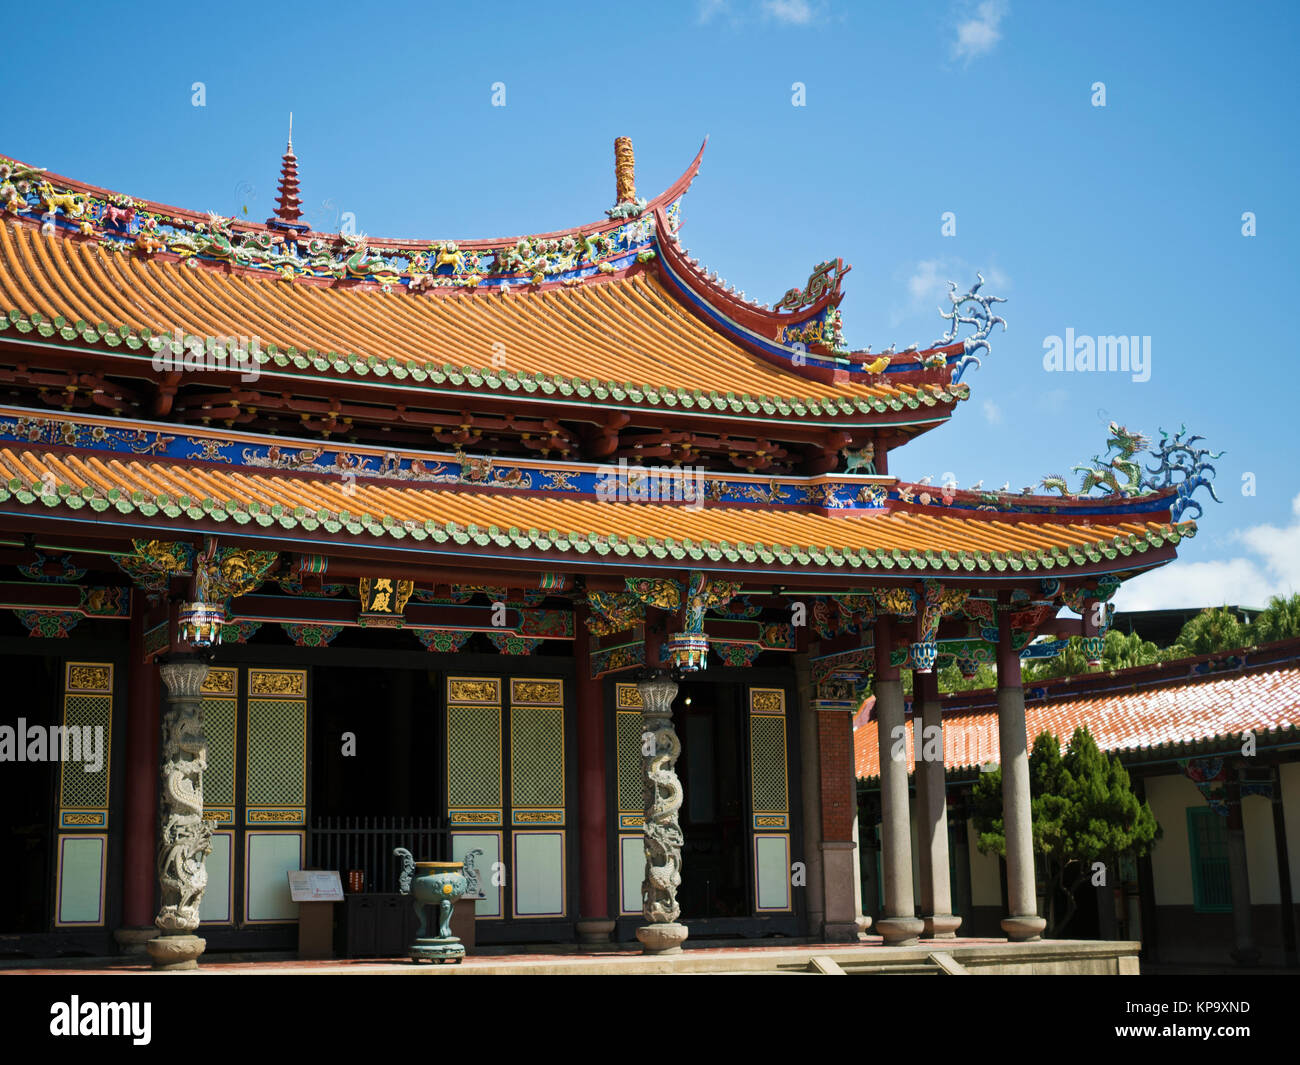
(838, 784)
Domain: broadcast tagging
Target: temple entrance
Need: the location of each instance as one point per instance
(391, 765)
(28, 790)
(716, 880)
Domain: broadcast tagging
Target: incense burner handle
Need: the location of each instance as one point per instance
(408, 868)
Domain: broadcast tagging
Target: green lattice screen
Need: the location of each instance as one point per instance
(536, 756)
(219, 715)
(474, 757)
(627, 738)
(768, 762)
(79, 789)
(277, 746)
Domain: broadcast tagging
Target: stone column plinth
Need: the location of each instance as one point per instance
(899, 924)
(932, 815)
(184, 836)
(1022, 923)
(662, 795)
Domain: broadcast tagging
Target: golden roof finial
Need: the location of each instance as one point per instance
(624, 171)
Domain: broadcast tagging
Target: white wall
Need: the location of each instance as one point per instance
(1171, 860)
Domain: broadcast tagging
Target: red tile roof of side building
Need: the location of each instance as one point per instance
(1147, 710)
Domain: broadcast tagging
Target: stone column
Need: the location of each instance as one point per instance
(810, 777)
(936, 885)
(899, 925)
(184, 835)
(1243, 936)
(662, 791)
(1022, 922)
(140, 810)
(594, 923)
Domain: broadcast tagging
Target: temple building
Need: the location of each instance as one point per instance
(553, 552)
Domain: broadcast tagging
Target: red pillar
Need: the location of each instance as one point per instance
(140, 807)
(594, 924)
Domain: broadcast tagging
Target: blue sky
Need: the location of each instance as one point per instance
(1117, 220)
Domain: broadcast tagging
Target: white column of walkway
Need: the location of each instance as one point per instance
(900, 924)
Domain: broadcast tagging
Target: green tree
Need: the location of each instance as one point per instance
(1119, 651)
(1280, 620)
(1084, 811)
(1214, 629)
(951, 680)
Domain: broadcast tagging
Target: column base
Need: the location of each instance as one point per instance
(840, 932)
(941, 926)
(133, 940)
(900, 931)
(1246, 956)
(1024, 929)
(176, 952)
(664, 938)
(594, 929)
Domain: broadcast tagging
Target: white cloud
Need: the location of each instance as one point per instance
(927, 290)
(710, 9)
(785, 12)
(978, 35)
(992, 412)
(1241, 581)
(794, 12)
(926, 285)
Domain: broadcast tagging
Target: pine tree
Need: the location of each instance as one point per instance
(1084, 812)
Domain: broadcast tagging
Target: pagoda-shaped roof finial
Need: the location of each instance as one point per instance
(288, 205)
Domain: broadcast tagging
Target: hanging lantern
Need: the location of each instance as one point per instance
(199, 624)
(968, 667)
(924, 654)
(688, 651)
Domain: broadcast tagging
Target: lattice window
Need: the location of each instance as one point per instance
(474, 757)
(627, 739)
(536, 756)
(768, 763)
(80, 789)
(219, 724)
(277, 752)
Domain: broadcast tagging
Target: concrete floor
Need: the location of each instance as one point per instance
(866, 957)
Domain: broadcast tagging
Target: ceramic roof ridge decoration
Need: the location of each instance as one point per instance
(802, 334)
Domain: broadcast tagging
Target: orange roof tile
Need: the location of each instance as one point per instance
(628, 330)
(895, 541)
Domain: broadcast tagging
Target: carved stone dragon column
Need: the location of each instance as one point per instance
(662, 794)
(184, 837)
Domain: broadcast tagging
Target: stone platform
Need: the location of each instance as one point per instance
(949, 957)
